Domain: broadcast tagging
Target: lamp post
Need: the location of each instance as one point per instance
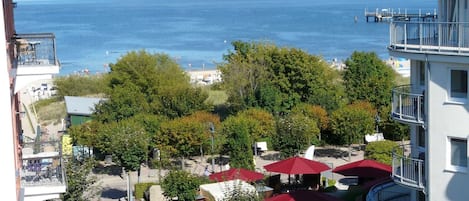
(212, 131)
(377, 119)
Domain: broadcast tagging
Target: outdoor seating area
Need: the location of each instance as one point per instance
(36, 49)
(42, 164)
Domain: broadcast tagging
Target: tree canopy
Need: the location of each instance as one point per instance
(128, 143)
(181, 184)
(141, 82)
(295, 133)
(351, 123)
(278, 78)
(238, 142)
(368, 78)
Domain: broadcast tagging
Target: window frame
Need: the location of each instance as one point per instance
(451, 99)
(449, 166)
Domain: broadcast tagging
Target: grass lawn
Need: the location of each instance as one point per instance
(217, 97)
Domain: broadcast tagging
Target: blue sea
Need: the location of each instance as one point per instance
(93, 33)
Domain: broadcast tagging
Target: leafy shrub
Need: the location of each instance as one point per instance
(140, 189)
(330, 182)
(380, 151)
(181, 184)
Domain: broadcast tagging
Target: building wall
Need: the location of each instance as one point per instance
(9, 170)
(444, 118)
(78, 120)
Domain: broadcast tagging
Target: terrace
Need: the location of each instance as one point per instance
(407, 170)
(35, 58)
(445, 38)
(42, 173)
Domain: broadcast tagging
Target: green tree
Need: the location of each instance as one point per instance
(315, 112)
(261, 123)
(295, 132)
(205, 118)
(391, 129)
(368, 78)
(83, 134)
(351, 123)
(181, 184)
(141, 82)
(381, 151)
(126, 141)
(243, 73)
(277, 78)
(187, 135)
(82, 185)
(238, 142)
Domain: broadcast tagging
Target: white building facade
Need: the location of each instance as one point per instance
(435, 104)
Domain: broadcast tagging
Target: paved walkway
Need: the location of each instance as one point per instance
(114, 186)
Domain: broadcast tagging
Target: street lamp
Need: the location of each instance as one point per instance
(377, 119)
(212, 131)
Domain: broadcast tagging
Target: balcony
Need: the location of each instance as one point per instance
(408, 171)
(42, 174)
(407, 107)
(445, 38)
(35, 58)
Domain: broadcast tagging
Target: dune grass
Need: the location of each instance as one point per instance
(50, 111)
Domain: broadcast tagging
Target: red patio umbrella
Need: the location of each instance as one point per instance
(364, 168)
(297, 165)
(303, 195)
(237, 173)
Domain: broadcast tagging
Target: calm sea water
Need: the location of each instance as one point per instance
(91, 33)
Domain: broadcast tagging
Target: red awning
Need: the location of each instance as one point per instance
(365, 169)
(297, 165)
(237, 173)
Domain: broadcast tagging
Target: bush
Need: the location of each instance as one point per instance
(181, 184)
(380, 151)
(140, 189)
(330, 182)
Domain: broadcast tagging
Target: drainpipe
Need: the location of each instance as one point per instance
(426, 125)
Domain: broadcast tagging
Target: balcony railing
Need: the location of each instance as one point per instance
(407, 107)
(430, 37)
(406, 170)
(43, 167)
(36, 49)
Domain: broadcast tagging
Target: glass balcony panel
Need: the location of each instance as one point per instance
(407, 107)
(436, 37)
(42, 165)
(406, 170)
(36, 49)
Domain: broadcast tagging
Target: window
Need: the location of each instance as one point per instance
(457, 154)
(458, 84)
(421, 70)
(421, 136)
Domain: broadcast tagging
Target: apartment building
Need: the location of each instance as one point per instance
(29, 170)
(434, 166)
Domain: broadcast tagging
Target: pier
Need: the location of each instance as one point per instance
(387, 14)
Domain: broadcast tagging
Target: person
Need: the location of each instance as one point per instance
(206, 172)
